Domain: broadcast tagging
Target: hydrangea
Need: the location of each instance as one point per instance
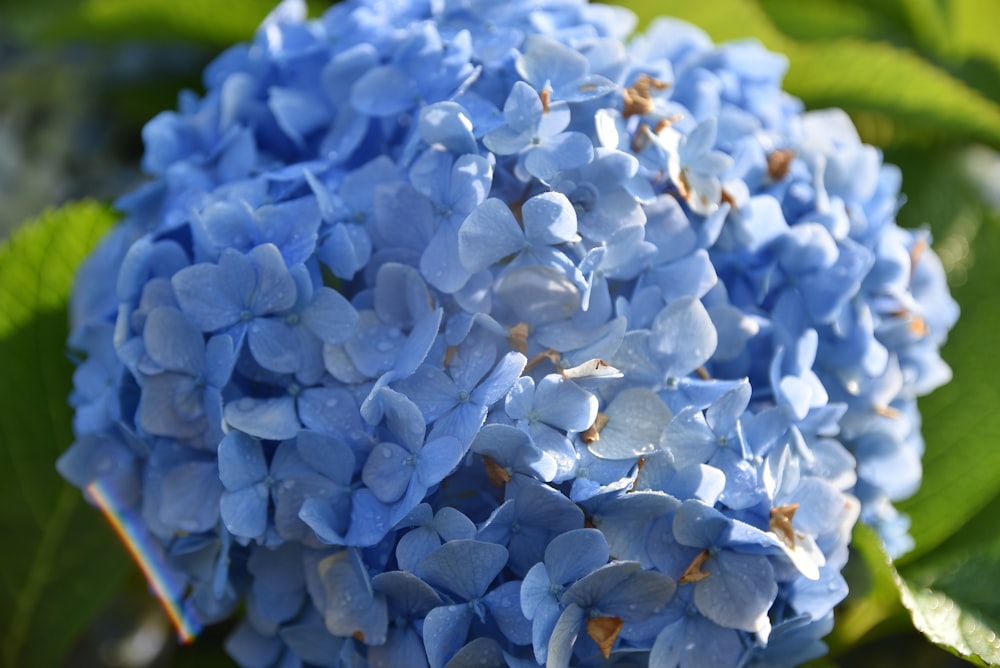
(451, 333)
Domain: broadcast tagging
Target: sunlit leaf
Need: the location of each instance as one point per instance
(953, 624)
(66, 563)
(218, 22)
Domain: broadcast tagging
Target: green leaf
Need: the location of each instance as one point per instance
(862, 76)
(954, 624)
(829, 19)
(960, 420)
(220, 22)
(61, 562)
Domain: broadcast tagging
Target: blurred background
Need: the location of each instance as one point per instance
(921, 79)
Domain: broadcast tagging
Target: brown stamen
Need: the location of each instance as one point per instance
(497, 474)
(639, 97)
(916, 251)
(517, 337)
(778, 163)
(550, 354)
(604, 631)
(781, 523)
(693, 573)
(592, 433)
(887, 411)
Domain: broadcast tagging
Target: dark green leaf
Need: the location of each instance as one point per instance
(960, 420)
(220, 22)
(61, 562)
(830, 19)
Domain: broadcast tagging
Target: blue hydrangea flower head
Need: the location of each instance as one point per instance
(453, 333)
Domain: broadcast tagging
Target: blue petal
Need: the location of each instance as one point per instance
(202, 298)
(440, 262)
(369, 520)
(637, 418)
(699, 525)
(252, 649)
(191, 497)
(384, 91)
(724, 414)
(386, 472)
(503, 603)
(403, 647)
(549, 219)
(415, 545)
(406, 593)
(241, 461)
(564, 635)
(738, 592)
(438, 458)
(535, 588)
(330, 316)
(500, 380)
(546, 61)
(445, 630)
(418, 344)
(520, 398)
(311, 643)
(691, 276)
(274, 289)
(463, 567)
(244, 511)
(523, 108)
(447, 124)
(404, 419)
(698, 481)
(431, 390)
(573, 554)
(689, 439)
(220, 358)
(462, 423)
(173, 342)
(471, 178)
(684, 334)
(563, 151)
(505, 140)
(351, 606)
(329, 456)
(589, 590)
(274, 345)
(489, 234)
(642, 595)
(296, 113)
(479, 653)
(269, 419)
(564, 404)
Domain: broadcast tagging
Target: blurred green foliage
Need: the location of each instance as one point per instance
(921, 78)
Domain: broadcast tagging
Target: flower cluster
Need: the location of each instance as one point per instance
(454, 332)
